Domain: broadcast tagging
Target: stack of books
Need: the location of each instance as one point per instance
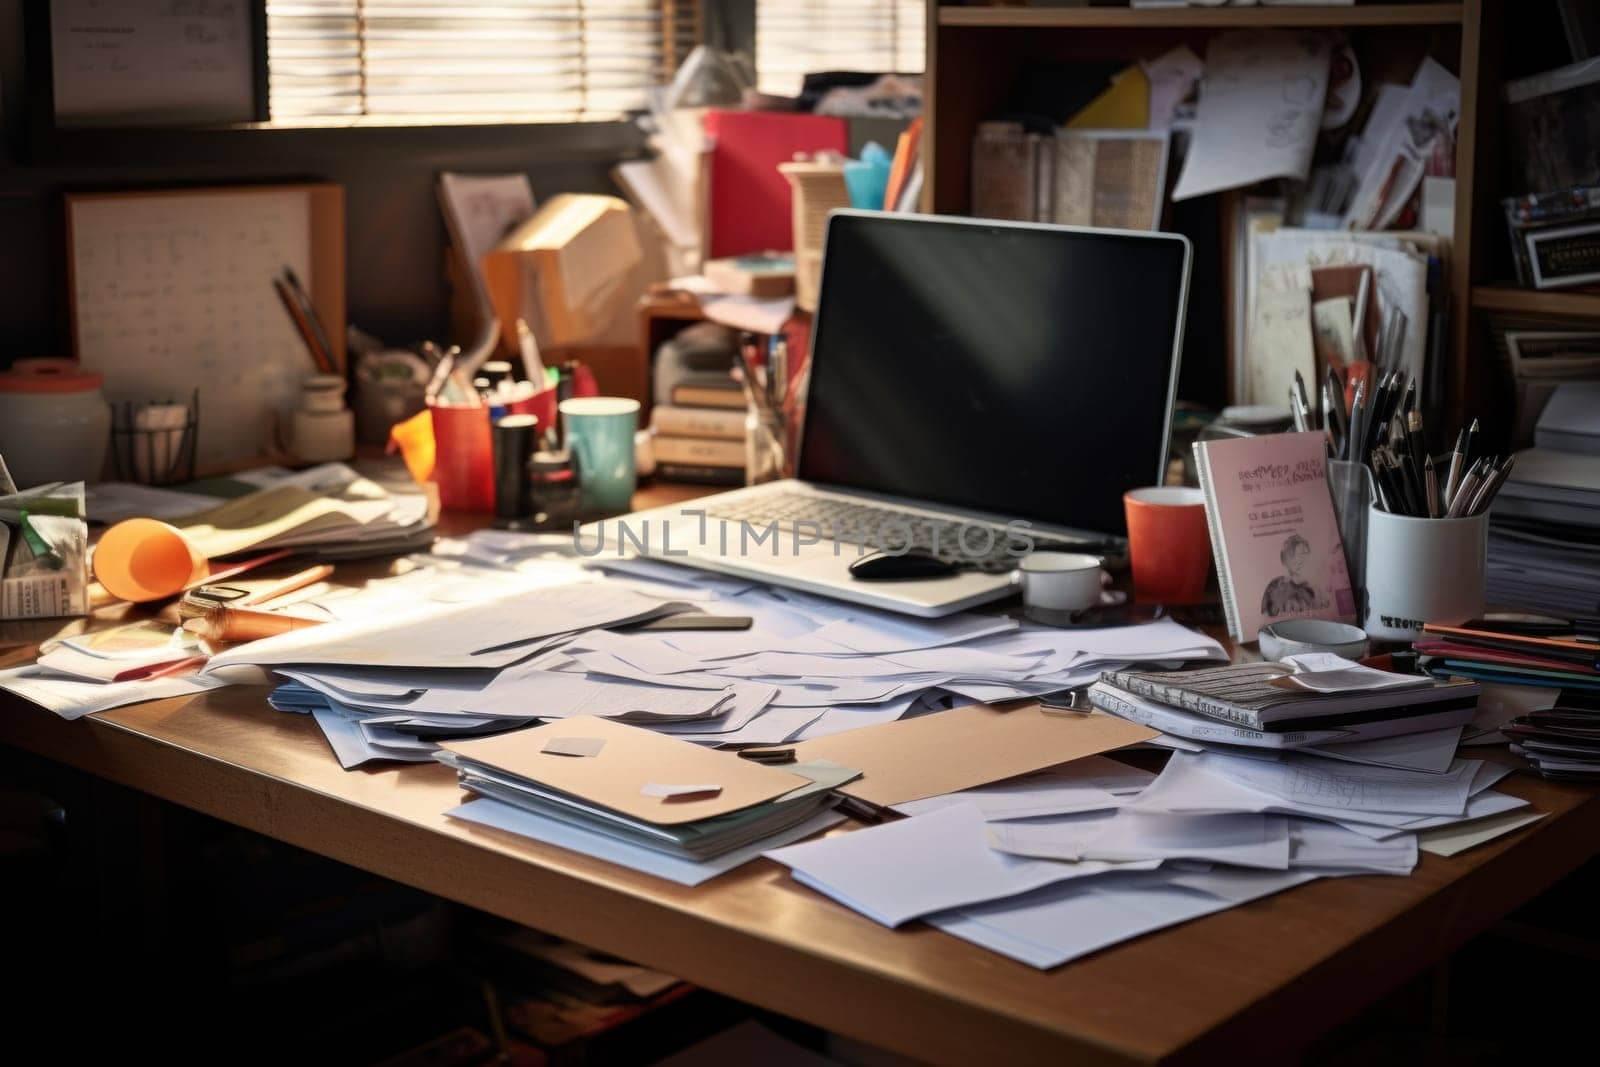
(1276, 705)
(697, 421)
(1550, 686)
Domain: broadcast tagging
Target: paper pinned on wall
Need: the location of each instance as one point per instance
(1281, 345)
(1260, 109)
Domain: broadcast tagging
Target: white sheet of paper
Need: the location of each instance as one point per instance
(1090, 784)
(73, 699)
(1314, 844)
(1241, 840)
(1061, 923)
(1431, 751)
(1453, 840)
(1260, 109)
(899, 871)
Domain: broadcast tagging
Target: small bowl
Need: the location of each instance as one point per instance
(1295, 637)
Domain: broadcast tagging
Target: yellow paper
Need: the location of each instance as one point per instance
(1123, 106)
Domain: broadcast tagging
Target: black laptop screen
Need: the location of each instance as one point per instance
(1019, 370)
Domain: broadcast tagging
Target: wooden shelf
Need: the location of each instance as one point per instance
(1179, 17)
(1535, 301)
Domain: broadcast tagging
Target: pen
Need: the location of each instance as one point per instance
(223, 623)
(1410, 404)
(1471, 454)
(1297, 410)
(302, 326)
(160, 670)
(532, 364)
(1354, 441)
(303, 299)
(309, 576)
(1333, 416)
(1378, 421)
(1465, 491)
(1431, 477)
(1491, 486)
(1416, 440)
(1458, 461)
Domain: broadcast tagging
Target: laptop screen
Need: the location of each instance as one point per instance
(1022, 370)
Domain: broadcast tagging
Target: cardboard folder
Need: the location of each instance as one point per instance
(965, 747)
(629, 758)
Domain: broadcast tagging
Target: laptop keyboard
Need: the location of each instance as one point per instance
(876, 527)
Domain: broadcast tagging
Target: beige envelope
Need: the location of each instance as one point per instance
(629, 759)
(965, 747)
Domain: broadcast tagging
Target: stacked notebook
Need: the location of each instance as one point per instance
(1561, 736)
(613, 781)
(1305, 702)
(697, 422)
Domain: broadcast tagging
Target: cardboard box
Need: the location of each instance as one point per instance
(574, 272)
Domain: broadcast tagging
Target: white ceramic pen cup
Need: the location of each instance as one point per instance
(1422, 570)
(1060, 581)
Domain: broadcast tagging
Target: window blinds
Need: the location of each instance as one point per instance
(332, 61)
(797, 37)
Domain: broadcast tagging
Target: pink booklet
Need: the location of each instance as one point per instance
(1273, 531)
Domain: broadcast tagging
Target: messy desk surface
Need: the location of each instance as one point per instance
(1255, 976)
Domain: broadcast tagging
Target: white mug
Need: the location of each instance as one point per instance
(1422, 570)
(1060, 581)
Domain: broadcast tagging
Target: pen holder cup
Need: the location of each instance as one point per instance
(463, 457)
(764, 451)
(1422, 570)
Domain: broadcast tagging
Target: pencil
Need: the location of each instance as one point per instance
(223, 623)
(319, 358)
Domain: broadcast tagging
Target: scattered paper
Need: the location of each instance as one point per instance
(580, 746)
(1260, 109)
(1452, 840)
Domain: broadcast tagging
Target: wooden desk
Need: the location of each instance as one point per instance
(1264, 979)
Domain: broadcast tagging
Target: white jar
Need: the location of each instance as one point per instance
(54, 424)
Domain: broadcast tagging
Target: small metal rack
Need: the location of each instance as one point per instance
(154, 455)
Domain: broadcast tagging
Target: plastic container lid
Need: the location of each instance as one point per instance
(52, 375)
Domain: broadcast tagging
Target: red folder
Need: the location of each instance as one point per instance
(750, 202)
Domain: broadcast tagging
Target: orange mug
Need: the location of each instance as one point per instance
(1169, 545)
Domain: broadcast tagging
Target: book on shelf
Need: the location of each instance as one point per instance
(704, 451)
(720, 423)
(699, 474)
(1274, 533)
(705, 396)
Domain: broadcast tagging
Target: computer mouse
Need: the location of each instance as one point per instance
(886, 567)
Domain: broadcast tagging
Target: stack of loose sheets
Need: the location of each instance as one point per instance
(551, 639)
(1052, 866)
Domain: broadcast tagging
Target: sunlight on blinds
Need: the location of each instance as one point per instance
(333, 61)
(798, 37)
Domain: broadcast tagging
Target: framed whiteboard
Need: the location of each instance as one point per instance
(172, 290)
(157, 62)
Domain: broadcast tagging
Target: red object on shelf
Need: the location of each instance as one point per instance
(751, 209)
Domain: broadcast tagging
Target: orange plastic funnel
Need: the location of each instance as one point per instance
(146, 559)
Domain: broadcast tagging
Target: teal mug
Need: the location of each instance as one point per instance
(599, 431)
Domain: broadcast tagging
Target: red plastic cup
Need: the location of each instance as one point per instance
(463, 458)
(1169, 546)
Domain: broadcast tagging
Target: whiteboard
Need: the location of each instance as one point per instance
(152, 62)
(174, 291)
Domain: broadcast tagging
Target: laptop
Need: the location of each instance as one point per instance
(977, 389)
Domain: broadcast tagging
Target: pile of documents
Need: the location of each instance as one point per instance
(554, 639)
(1053, 866)
(1555, 680)
(640, 799)
(1544, 532)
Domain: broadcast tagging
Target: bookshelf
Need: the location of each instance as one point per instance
(974, 54)
(1555, 303)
